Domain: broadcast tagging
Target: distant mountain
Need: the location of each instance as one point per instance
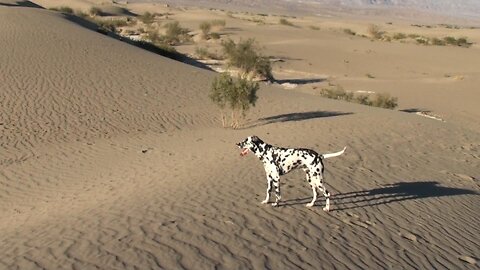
(466, 9)
(469, 8)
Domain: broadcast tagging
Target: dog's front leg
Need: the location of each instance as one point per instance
(273, 178)
(269, 189)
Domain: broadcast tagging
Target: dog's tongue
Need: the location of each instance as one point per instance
(244, 152)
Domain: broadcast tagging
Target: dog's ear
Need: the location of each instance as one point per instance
(256, 140)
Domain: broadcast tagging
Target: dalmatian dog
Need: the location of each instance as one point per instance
(279, 161)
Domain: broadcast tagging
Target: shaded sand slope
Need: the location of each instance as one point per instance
(68, 83)
(112, 159)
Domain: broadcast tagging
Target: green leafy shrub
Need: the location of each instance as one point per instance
(245, 57)
(238, 94)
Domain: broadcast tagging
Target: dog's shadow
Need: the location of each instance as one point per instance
(397, 192)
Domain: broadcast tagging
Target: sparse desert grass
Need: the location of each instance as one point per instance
(245, 56)
(313, 27)
(349, 32)
(63, 9)
(381, 100)
(370, 76)
(286, 22)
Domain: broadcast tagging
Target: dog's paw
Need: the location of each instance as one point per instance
(264, 202)
(275, 204)
(326, 209)
(309, 204)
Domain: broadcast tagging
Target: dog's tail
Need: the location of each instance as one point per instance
(325, 156)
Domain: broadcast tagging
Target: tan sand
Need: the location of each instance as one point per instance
(112, 157)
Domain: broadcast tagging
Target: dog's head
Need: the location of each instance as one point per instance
(252, 143)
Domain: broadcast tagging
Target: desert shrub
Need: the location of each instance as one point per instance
(147, 18)
(349, 32)
(414, 36)
(381, 100)
(175, 34)
(95, 11)
(384, 101)
(437, 42)
(286, 22)
(110, 25)
(457, 42)
(337, 93)
(153, 36)
(374, 31)
(204, 53)
(81, 14)
(218, 23)
(313, 27)
(399, 36)
(205, 27)
(215, 35)
(363, 99)
(238, 94)
(370, 76)
(63, 9)
(422, 40)
(245, 57)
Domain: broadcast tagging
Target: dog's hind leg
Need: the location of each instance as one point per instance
(327, 198)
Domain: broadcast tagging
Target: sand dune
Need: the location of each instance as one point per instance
(112, 158)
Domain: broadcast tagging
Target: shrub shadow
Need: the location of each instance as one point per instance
(300, 81)
(414, 110)
(288, 117)
(397, 192)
